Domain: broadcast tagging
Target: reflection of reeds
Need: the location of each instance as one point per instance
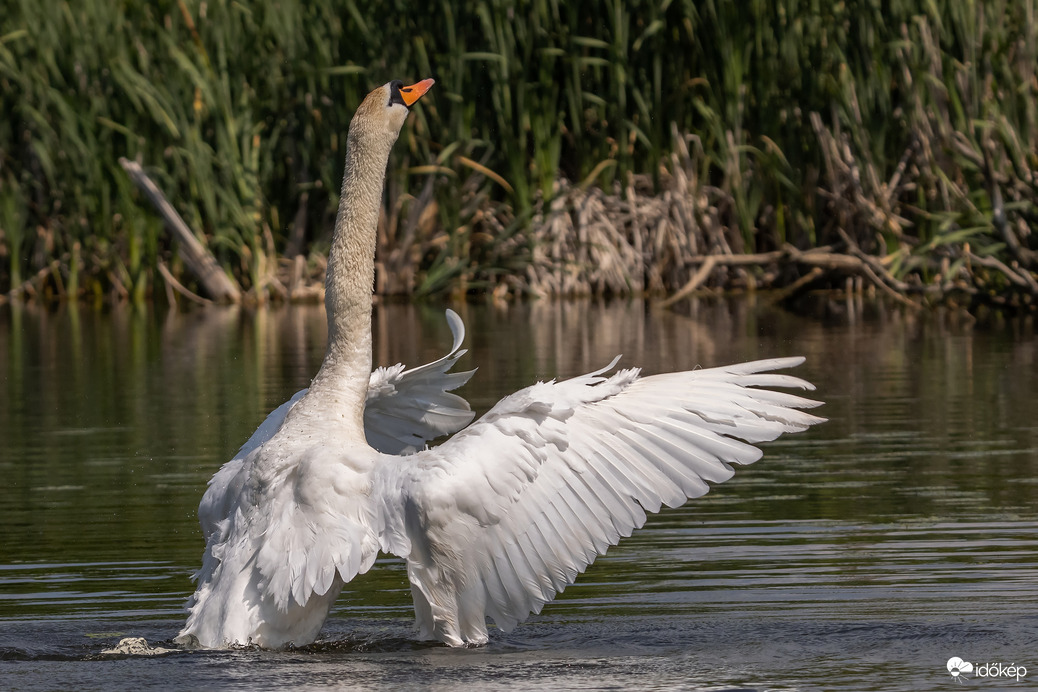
(546, 159)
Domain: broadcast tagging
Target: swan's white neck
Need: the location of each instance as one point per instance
(342, 382)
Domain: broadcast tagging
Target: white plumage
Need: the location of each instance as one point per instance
(495, 521)
(508, 512)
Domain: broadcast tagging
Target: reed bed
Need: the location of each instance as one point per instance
(597, 147)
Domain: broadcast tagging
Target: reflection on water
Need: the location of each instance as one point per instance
(860, 555)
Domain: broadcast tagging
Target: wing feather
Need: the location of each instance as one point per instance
(555, 474)
(407, 408)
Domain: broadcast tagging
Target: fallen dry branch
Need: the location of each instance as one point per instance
(1020, 278)
(195, 255)
(820, 261)
(174, 285)
(695, 282)
(33, 284)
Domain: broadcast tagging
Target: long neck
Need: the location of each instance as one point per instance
(342, 381)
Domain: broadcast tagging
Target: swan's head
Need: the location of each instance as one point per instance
(384, 110)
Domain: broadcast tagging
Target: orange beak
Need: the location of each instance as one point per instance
(412, 93)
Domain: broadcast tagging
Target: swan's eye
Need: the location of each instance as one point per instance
(395, 89)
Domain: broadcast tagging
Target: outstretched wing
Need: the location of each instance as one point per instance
(407, 408)
(508, 512)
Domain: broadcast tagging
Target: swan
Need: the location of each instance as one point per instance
(492, 523)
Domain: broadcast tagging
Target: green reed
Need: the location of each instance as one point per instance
(239, 111)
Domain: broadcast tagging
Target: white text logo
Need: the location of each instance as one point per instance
(958, 669)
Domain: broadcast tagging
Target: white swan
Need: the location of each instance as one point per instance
(495, 521)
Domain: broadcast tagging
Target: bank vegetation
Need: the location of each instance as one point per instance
(591, 147)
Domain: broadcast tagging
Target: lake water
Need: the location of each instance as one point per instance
(860, 555)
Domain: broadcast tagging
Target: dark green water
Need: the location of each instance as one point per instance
(860, 555)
